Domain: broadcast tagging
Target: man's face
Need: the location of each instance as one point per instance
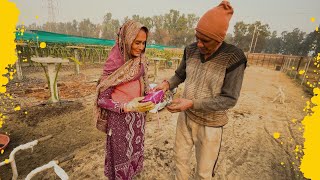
(206, 45)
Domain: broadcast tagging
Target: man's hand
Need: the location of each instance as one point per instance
(164, 86)
(180, 104)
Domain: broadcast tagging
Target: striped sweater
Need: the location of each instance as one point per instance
(213, 84)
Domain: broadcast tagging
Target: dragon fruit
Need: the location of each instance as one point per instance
(155, 97)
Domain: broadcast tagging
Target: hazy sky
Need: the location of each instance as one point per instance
(281, 15)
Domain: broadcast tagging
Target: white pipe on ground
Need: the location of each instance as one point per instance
(52, 164)
(15, 150)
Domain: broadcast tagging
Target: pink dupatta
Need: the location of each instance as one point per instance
(121, 71)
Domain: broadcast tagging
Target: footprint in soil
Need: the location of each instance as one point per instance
(241, 114)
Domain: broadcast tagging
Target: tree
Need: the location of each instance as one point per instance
(316, 44)
(261, 36)
(273, 44)
(311, 44)
(176, 26)
(74, 28)
(110, 27)
(241, 37)
(61, 28)
(87, 28)
(33, 26)
(192, 20)
(292, 42)
(243, 34)
(50, 26)
(160, 34)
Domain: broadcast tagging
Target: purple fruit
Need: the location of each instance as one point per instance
(154, 97)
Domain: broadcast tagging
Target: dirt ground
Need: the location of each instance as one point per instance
(249, 150)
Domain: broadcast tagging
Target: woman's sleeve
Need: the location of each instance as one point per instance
(105, 101)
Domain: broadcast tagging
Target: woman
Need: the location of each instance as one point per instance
(118, 110)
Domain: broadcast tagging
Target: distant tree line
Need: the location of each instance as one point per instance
(177, 29)
(295, 42)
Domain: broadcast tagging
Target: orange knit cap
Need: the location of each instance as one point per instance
(215, 22)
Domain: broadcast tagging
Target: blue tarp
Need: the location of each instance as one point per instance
(49, 37)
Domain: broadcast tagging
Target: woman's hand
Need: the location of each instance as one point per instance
(135, 106)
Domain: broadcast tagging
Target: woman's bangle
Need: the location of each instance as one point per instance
(123, 107)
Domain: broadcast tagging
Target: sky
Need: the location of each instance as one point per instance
(281, 15)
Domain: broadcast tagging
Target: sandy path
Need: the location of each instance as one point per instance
(248, 151)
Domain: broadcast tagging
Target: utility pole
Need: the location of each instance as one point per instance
(51, 13)
(254, 48)
(255, 28)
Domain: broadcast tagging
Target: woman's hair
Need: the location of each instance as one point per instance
(145, 29)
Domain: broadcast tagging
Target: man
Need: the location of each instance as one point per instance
(213, 73)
